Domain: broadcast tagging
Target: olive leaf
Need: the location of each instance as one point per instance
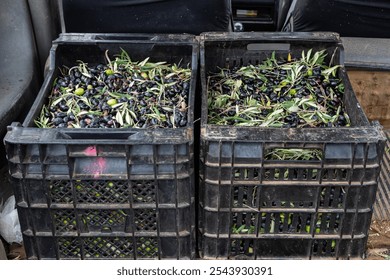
(330, 71)
(142, 63)
(119, 118)
(128, 119)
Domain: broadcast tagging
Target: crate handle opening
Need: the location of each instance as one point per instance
(268, 47)
(104, 135)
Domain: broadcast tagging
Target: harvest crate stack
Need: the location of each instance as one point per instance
(104, 193)
(283, 188)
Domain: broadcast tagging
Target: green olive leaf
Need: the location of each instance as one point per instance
(119, 118)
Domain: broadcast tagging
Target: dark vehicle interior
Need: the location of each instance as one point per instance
(28, 27)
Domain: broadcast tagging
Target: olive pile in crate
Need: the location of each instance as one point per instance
(120, 94)
(289, 93)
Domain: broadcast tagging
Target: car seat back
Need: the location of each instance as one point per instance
(358, 18)
(146, 16)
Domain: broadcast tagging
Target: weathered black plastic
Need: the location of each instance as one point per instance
(146, 16)
(106, 193)
(367, 53)
(294, 209)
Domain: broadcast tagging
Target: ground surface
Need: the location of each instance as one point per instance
(378, 245)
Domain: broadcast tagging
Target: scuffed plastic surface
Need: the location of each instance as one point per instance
(147, 16)
(358, 18)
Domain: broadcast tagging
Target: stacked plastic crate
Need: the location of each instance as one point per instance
(255, 207)
(85, 193)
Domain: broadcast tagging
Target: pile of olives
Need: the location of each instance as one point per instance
(119, 94)
(284, 92)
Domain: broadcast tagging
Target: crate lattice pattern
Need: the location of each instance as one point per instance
(248, 197)
(107, 248)
(319, 248)
(294, 223)
(102, 192)
(95, 247)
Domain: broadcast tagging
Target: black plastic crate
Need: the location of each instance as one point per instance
(107, 246)
(257, 208)
(106, 193)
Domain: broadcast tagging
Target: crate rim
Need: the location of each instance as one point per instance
(18, 134)
(277, 36)
(75, 37)
(351, 135)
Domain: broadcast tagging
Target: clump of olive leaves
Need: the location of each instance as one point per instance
(292, 93)
(119, 94)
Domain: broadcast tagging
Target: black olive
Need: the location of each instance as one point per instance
(57, 121)
(333, 103)
(231, 113)
(106, 107)
(64, 83)
(64, 108)
(60, 114)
